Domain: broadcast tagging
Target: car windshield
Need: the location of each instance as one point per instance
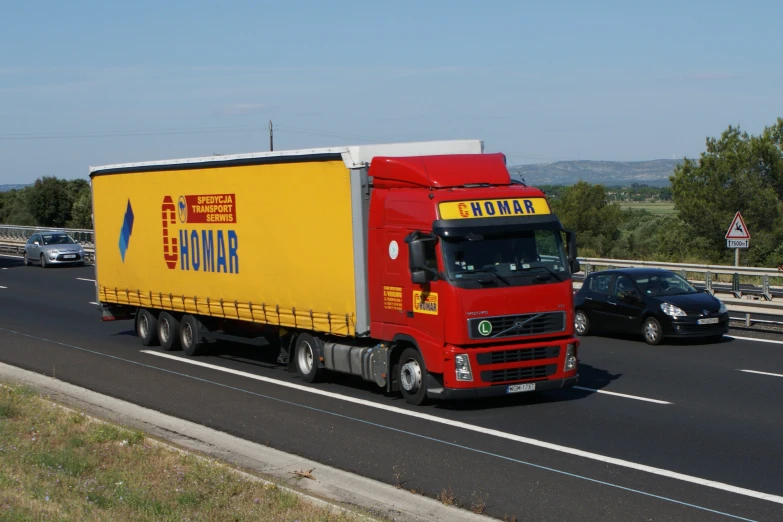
(664, 284)
(518, 258)
(57, 239)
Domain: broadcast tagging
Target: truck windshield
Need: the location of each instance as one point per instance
(511, 259)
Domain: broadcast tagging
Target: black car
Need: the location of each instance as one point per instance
(651, 301)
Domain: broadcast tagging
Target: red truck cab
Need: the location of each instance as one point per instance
(473, 271)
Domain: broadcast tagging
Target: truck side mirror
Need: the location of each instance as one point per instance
(417, 258)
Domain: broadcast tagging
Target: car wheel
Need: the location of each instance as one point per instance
(581, 323)
(26, 259)
(168, 332)
(147, 327)
(190, 336)
(307, 355)
(652, 332)
(412, 377)
(43, 261)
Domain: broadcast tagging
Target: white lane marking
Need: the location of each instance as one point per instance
(753, 339)
(605, 392)
(83, 279)
(487, 431)
(93, 303)
(762, 373)
(4, 287)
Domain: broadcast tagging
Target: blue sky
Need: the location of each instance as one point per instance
(90, 83)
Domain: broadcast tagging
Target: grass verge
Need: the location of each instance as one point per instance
(60, 465)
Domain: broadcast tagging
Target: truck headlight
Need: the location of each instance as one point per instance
(462, 363)
(671, 310)
(570, 359)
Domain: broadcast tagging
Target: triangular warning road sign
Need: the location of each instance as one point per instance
(738, 230)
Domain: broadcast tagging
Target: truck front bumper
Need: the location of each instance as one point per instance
(435, 392)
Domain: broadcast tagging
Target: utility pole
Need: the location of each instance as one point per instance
(271, 137)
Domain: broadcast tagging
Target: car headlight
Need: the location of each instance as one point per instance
(462, 362)
(570, 359)
(723, 308)
(54, 251)
(671, 310)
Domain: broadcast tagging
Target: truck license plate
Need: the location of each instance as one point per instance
(516, 388)
(70, 257)
(711, 320)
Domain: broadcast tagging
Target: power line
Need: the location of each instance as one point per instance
(113, 134)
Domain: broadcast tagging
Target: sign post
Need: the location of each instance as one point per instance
(737, 236)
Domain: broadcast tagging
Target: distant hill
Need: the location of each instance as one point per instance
(610, 173)
(6, 188)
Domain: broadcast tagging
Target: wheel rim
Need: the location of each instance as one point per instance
(651, 331)
(187, 335)
(581, 323)
(165, 330)
(410, 376)
(144, 326)
(305, 357)
(43, 260)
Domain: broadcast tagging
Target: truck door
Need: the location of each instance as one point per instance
(395, 277)
(424, 303)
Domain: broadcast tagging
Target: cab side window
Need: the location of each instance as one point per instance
(599, 283)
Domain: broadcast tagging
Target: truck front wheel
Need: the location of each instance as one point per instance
(307, 356)
(168, 331)
(412, 377)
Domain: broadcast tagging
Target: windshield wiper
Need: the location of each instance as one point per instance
(493, 274)
(551, 272)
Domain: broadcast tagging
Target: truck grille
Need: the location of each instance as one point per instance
(523, 354)
(519, 374)
(517, 325)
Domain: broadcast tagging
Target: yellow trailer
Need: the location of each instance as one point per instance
(275, 238)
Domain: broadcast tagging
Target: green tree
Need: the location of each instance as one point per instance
(14, 209)
(737, 172)
(50, 202)
(81, 213)
(584, 209)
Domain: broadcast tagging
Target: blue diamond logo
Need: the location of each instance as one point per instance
(125, 232)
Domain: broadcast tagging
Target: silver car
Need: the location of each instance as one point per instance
(53, 248)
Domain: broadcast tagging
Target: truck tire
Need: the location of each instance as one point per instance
(147, 327)
(168, 331)
(190, 336)
(307, 357)
(412, 377)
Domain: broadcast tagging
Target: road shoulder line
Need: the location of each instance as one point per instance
(332, 486)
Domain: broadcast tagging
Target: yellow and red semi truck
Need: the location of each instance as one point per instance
(422, 267)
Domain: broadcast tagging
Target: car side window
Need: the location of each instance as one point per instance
(623, 286)
(600, 283)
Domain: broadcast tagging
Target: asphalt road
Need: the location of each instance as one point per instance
(675, 432)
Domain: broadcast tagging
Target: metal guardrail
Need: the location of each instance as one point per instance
(9, 233)
(741, 298)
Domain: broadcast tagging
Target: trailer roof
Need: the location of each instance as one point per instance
(353, 156)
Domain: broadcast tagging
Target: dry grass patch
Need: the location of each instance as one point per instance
(59, 465)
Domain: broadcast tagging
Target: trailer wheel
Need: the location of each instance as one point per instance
(190, 336)
(307, 356)
(147, 327)
(412, 377)
(168, 331)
